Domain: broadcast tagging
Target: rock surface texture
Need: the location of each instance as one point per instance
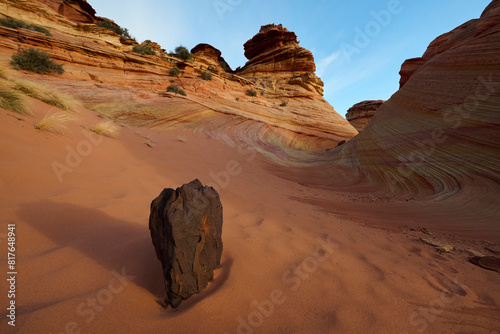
(361, 113)
(186, 228)
(439, 134)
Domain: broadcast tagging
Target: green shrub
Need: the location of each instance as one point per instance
(175, 89)
(251, 92)
(237, 99)
(223, 64)
(284, 104)
(172, 80)
(144, 50)
(147, 41)
(206, 76)
(116, 28)
(182, 53)
(175, 71)
(36, 61)
(16, 24)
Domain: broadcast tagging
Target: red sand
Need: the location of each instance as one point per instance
(297, 258)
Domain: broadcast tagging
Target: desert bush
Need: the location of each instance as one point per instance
(36, 61)
(147, 41)
(16, 24)
(251, 92)
(182, 53)
(46, 94)
(106, 128)
(206, 76)
(237, 99)
(223, 65)
(172, 80)
(13, 100)
(54, 123)
(144, 49)
(175, 89)
(116, 28)
(284, 104)
(175, 71)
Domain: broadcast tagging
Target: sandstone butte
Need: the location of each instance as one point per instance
(103, 72)
(360, 114)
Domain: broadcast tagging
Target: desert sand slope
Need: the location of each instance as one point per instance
(79, 232)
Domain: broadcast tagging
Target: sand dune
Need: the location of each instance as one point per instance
(306, 269)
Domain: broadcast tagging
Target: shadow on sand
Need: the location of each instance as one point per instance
(115, 244)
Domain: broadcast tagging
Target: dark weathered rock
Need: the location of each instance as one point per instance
(186, 228)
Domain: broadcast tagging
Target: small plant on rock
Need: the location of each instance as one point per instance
(144, 50)
(251, 92)
(116, 28)
(175, 71)
(36, 61)
(284, 104)
(175, 89)
(16, 24)
(206, 76)
(183, 53)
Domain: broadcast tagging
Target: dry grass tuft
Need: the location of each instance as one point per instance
(54, 123)
(4, 72)
(106, 128)
(46, 95)
(13, 100)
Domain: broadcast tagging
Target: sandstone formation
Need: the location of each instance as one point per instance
(361, 113)
(79, 11)
(186, 228)
(275, 53)
(439, 133)
(211, 56)
(288, 120)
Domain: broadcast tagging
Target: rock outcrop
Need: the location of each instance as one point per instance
(79, 11)
(275, 49)
(289, 120)
(275, 53)
(211, 56)
(361, 113)
(186, 228)
(450, 40)
(438, 135)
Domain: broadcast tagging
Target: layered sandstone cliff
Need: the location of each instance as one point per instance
(360, 114)
(440, 131)
(288, 113)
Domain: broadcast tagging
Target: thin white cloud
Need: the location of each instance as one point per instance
(324, 63)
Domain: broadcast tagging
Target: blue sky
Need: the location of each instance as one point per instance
(358, 45)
